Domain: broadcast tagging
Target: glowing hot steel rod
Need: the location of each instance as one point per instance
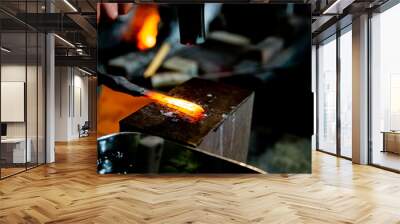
(192, 111)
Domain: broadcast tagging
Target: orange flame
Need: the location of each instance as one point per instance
(146, 37)
(143, 28)
(194, 111)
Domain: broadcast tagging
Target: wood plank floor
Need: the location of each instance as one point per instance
(70, 191)
(10, 171)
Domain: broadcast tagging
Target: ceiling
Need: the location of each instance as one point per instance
(79, 27)
(18, 18)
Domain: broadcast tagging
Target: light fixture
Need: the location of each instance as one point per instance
(65, 41)
(84, 71)
(70, 5)
(5, 50)
(79, 51)
(326, 11)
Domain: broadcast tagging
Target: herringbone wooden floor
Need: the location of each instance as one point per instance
(70, 191)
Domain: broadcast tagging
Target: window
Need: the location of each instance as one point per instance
(327, 96)
(385, 88)
(346, 92)
(22, 78)
(314, 86)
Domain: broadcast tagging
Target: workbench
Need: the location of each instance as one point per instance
(391, 141)
(13, 150)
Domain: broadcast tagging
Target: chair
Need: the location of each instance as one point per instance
(84, 130)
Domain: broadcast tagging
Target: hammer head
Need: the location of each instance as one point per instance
(191, 23)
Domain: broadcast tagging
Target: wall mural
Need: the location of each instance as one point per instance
(204, 88)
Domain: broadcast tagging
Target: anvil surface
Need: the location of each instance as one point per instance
(222, 103)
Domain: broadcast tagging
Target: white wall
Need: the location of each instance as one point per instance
(33, 126)
(61, 103)
(13, 73)
(71, 94)
(82, 82)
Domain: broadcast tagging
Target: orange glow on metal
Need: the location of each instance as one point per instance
(194, 111)
(146, 37)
